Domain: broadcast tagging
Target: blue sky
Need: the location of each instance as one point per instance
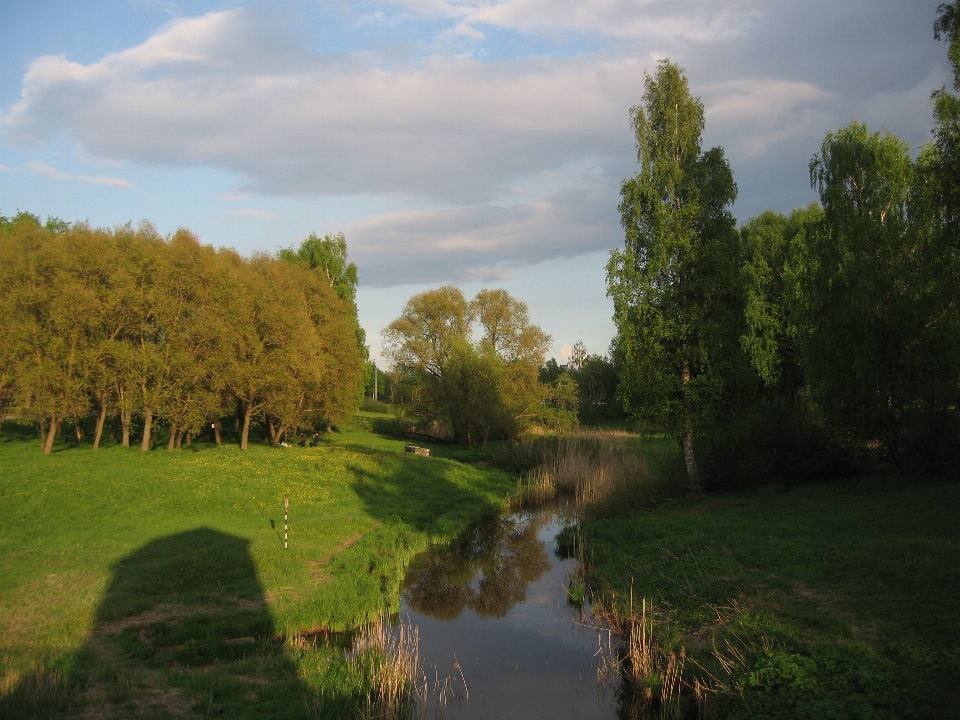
(477, 142)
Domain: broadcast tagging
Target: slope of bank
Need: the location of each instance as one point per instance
(115, 561)
(829, 600)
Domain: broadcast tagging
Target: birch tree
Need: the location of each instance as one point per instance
(675, 285)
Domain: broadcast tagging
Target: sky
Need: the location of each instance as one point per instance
(474, 142)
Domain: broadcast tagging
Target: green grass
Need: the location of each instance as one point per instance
(143, 584)
(837, 600)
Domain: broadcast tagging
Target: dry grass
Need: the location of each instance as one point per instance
(655, 674)
(397, 689)
(594, 468)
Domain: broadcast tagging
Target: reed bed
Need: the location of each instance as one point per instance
(655, 675)
(594, 468)
(399, 689)
(398, 686)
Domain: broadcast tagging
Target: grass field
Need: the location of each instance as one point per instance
(157, 585)
(837, 600)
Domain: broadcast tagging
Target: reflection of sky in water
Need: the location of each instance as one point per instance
(495, 602)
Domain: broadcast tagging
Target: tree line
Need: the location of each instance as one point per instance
(836, 325)
(127, 324)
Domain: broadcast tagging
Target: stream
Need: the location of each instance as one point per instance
(493, 616)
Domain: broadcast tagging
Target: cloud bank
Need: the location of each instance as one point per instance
(495, 162)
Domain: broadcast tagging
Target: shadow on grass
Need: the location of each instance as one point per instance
(19, 431)
(421, 493)
(182, 629)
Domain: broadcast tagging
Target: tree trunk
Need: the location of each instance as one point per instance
(171, 441)
(245, 433)
(189, 439)
(693, 473)
(43, 432)
(125, 418)
(147, 427)
(271, 435)
(179, 439)
(486, 436)
(329, 428)
(216, 431)
(78, 429)
(52, 432)
(101, 419)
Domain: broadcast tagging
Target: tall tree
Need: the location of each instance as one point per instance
(675, 285)
(329, 255)
(946, 113)
(869, 308)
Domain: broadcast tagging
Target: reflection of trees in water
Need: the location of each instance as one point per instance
(488, 570)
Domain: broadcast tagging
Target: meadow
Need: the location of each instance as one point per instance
(156, 584)
(839, 599)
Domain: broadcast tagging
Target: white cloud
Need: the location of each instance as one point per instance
(694, 20)
(454, 130)
(481, 243)
(756, 115)
(232, 196)
(51, 172)
(495, 164)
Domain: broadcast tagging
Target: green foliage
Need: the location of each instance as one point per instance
(328, 255)
(469, 389)
(871, 321)
(675, 286)
(559, 410)
(124, 322)
(593, 380)
(770, 338)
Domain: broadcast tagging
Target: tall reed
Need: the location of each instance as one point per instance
(398, 687)
(654, 673)
(594, 468)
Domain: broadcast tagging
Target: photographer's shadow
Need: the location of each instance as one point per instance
(184, 629)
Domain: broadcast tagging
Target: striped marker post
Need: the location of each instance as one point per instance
(286, 511)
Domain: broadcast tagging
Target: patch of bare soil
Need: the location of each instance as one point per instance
(167, 612)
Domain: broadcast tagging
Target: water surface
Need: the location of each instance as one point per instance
(493, 614)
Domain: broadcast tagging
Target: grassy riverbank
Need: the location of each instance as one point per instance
(157, 583)
(838, 600)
